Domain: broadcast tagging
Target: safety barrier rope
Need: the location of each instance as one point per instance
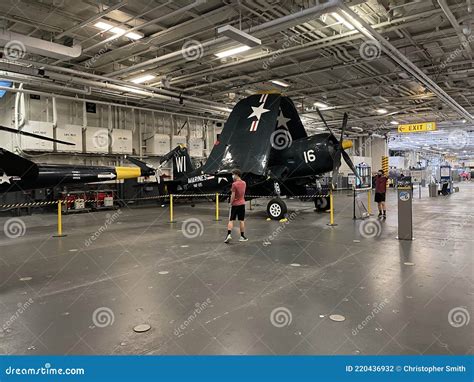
(29, 204)
(59, 204)
(156, 197)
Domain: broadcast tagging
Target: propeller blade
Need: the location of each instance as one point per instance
(26, 133)
(324, 121)
(344, 124)
(349, 162)
(335, 168)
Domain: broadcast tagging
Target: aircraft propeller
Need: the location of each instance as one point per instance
(339, 147)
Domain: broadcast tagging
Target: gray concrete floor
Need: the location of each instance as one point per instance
(73, 296)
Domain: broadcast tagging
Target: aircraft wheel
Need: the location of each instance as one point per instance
(276, 209)
(322, 204)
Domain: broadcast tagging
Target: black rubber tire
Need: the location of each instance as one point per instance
(322, 203)
(276, 209)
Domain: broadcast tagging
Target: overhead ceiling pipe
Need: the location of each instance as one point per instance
(26, 44)
(75, 99)
(452, 19)
(309, 46)
(103, 82)
(268, 27)
(403, 61)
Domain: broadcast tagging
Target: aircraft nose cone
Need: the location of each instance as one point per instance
(346, 144)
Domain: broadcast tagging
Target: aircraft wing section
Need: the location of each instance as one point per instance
(245, 141)
(288, 118)
(15, 165)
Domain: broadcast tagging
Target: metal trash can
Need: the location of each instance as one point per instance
(433, 188)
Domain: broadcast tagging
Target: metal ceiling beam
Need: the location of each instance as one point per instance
(403, 61)
(282, 22)
(91, 19)
(452, 19)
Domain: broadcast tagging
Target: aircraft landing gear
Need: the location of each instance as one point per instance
(276, 209)
(322, 204)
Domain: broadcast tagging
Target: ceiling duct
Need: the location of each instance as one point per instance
(238, 35)
(22, 44)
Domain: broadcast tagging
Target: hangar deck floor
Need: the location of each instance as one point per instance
(201, 296)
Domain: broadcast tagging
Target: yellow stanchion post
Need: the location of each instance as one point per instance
(331, 209)
(60, 220)
(217, 207)
(369, 207)
(171, 210)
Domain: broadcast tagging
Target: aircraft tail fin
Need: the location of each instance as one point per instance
(182, 164)
(15, 165)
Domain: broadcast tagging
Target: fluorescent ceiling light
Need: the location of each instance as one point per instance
(118, 31)
(320, 105)
(394, 122)
(144, 78)
(280, 83)
(320, 128)
(342, 20)
(239, 36)
(381, 111)
(134, 35)
(233, 51)
(103, 26)
(355, 128)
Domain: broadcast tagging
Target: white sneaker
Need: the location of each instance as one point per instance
(228, 239)
(243, 238)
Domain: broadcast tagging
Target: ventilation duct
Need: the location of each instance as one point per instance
(20, 44)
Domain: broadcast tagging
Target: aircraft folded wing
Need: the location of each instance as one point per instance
(289, 119)
(245, 141)
(15, 165)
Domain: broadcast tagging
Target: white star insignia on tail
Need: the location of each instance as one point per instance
(5, 178)
(282, 120)
(257, 111)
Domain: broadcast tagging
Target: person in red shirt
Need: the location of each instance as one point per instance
(237, 210)
(380, 190)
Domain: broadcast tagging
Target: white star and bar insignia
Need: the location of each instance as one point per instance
(257, 111)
